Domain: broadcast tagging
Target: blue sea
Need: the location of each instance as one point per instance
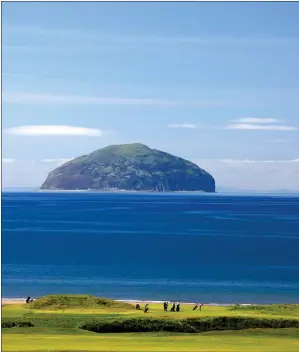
(205, 248)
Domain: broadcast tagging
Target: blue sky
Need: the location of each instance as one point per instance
(216, 83)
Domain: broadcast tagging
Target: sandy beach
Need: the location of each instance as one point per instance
(6, 301)
(12, 301)
(22, 301)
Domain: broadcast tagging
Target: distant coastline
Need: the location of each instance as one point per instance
(133, 301)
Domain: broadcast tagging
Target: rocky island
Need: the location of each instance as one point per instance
(129, 167)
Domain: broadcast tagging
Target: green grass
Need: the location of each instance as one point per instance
(249, 340)
(270, 309)
(57, 329)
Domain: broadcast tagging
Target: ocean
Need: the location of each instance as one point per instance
(186, 247)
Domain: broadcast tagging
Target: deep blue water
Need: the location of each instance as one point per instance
(183, 247)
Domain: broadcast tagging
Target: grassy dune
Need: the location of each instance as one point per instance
(56, 329)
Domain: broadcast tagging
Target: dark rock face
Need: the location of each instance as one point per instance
(132, 167)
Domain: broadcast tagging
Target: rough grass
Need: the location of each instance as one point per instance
(192, 325)
(16, 323)
(76, 301)
(138, 325)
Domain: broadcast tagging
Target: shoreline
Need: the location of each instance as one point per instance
(119, 191)
(7, 300)
(249, 193)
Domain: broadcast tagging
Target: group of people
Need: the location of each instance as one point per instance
(176, 307)
(146, 307)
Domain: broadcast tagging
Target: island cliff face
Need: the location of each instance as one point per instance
(131, 167)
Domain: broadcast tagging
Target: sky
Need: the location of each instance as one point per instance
(215, 83)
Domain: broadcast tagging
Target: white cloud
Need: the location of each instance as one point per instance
(278, 140)
(53, 130)
(256, 120)
(31, 77)
(58, 99)
(182, 125)
(248, 161)
(246, 126)
(16, 75)
(258, 175)
(57, 161)
(97, 37)
(26, 173)
(8, 160)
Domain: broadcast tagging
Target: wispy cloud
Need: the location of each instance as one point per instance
(30, 77)
(57, 160)
(53, 130)
(248, 161)
(251, 127)
(182, 125)
(253, 174)
(278, 140)
(256, 120)
(99, 37)
(66, 49)
(8, 160)
(55, 99)
(16, 75)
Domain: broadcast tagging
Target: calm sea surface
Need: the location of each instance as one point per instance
(183, 247)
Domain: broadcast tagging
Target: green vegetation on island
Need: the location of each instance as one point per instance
(61, 323)
(130, 167)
